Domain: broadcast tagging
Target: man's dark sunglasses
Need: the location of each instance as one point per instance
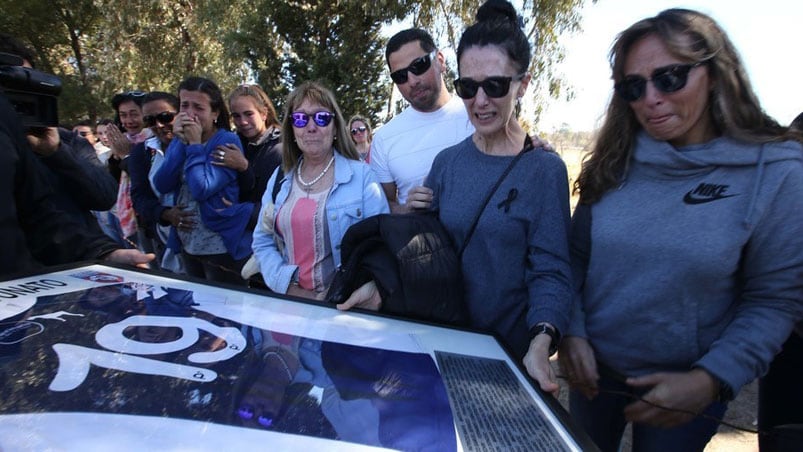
(496, 87)
(417, 67)
(165, 118)
(321, 118)
(667, 79)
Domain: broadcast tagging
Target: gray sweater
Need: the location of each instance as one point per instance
(516, 267)
(696, 260)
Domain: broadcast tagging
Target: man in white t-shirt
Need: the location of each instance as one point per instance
(402, 150)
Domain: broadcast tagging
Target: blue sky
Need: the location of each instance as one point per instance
(767, 33)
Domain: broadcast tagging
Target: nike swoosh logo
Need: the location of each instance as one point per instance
(691, 199)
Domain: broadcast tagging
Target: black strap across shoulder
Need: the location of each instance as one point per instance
(277, 184)
(528, 146)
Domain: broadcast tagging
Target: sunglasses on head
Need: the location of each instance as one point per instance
(667, 79)
(357, 130)
(165, 117)
(495, 87)
(133, 93)
(321, 118)
(134, 96)
(417, 67)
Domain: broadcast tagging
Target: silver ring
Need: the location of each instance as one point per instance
(221, 154)
(180, 223)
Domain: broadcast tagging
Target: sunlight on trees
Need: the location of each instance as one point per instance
(101, 47)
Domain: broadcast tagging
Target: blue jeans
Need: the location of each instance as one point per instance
(604, 421)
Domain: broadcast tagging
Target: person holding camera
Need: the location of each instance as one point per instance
(34, 231)
(80, 181)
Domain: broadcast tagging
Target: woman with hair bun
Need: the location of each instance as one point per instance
(516, 272)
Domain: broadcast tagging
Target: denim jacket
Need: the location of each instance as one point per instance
(355, 194)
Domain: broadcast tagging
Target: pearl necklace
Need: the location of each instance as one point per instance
(310, 184)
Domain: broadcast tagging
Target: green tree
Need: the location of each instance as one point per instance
(337, 43)
(102, 47)
(544, 22)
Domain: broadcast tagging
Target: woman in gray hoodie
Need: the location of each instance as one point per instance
(687, 243)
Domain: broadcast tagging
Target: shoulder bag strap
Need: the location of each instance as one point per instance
(528, 146)
(277, 184)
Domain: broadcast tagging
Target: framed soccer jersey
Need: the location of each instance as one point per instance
(98, 357)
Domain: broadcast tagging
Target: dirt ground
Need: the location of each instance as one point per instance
(741, 412)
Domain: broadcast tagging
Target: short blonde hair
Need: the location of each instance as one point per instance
(363, 120)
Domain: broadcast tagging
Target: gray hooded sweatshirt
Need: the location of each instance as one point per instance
(696, 260)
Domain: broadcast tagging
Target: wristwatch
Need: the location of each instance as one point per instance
(554, 335)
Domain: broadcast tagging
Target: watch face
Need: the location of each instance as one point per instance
(553, 336)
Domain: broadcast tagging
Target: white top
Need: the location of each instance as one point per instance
(402, 150)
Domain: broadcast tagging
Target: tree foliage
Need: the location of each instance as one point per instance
(544, 22)
(338, 43)
(100, 47)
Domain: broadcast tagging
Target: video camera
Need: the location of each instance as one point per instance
(32, 93)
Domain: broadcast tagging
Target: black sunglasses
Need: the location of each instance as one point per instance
(495, 87)
(85, 134)
(417, 67)
(165, 118)
(357, 130)
(667, 79)
(321, 118)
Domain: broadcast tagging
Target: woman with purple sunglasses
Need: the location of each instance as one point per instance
(686, 242)
(323, 189)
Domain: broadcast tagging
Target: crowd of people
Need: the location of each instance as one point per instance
(674, 283)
